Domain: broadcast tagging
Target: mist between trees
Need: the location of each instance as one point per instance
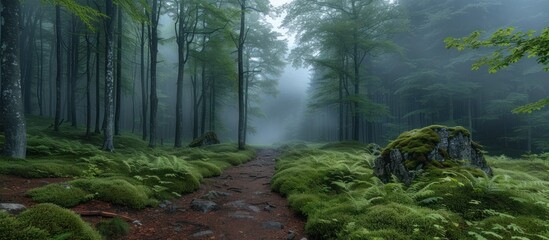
(171, 70)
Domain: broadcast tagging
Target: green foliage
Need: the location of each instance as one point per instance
(62, 194)
(113, 228)
(337, 192)
(58, 222)
(510, 47)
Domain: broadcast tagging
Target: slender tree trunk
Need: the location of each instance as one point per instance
(88, 86)
(241, 40)
(194, 80)
(203, 100)
(246, 85)
(156, 6)
(212, 105)
(181, 44)
(97, 84)
(13, 116)
(143, 85)
(118, 74)
(59, 62)
(75, 74)
(108, 141)
(40, 93)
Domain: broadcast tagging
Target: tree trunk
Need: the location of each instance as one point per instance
(203, 100)
(59, 62)
(246, 85)
(108, 141)
(156, 6)
(40, 91)
(181, 44)
(75, 65)
(241, 39)
(97, 84)
(88, 86)
(15, 142)
(118, 74)
(143, 84)
(194, 80)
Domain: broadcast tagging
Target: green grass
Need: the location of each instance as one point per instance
(334, 188)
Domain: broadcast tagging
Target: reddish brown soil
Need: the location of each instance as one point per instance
(241, 215)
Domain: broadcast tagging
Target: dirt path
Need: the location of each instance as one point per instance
(238, 205)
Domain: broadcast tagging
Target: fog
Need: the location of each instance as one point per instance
(365, 78)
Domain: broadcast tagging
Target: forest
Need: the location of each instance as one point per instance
(274, 119)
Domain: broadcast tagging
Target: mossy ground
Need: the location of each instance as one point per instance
(134, 176)
(337, 192)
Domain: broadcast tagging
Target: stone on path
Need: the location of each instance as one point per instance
(203, 205)
(205, 233)
(273, 225)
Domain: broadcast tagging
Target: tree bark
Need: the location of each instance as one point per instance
(108, 132)
(12, 100)
(118, 74)
(241, 39)
(97, 84)
(156, 6)
(88, 86)
(74, 71)
(59, 62)
(143, 85)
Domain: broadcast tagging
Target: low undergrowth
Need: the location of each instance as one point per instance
(334, 187)
(134, 176)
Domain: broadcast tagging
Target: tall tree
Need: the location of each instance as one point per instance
(108, 132)
(118, 73)
(186, 21)
(153, 29)
(12, 101)
(59, 63)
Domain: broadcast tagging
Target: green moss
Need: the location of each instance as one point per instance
(422, 141)
(13, 229)
(113, 228)
(116, 191)
(417, 141)
(206, 169)
(62, 194)
(347, 146)
(341, 199)
(58, 221)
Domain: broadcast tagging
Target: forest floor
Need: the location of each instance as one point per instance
(238, 204)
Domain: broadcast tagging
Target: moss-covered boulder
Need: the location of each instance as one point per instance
(433, 146)
(208, 138)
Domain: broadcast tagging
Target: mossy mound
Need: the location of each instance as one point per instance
(433, 146)
(60, 223)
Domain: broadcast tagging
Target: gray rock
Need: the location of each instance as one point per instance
(12, 208)
(203, 205)
(241, 215)
(214, 194)
(273, 225)
(205, 233)
(452, 144)
(291, 235)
